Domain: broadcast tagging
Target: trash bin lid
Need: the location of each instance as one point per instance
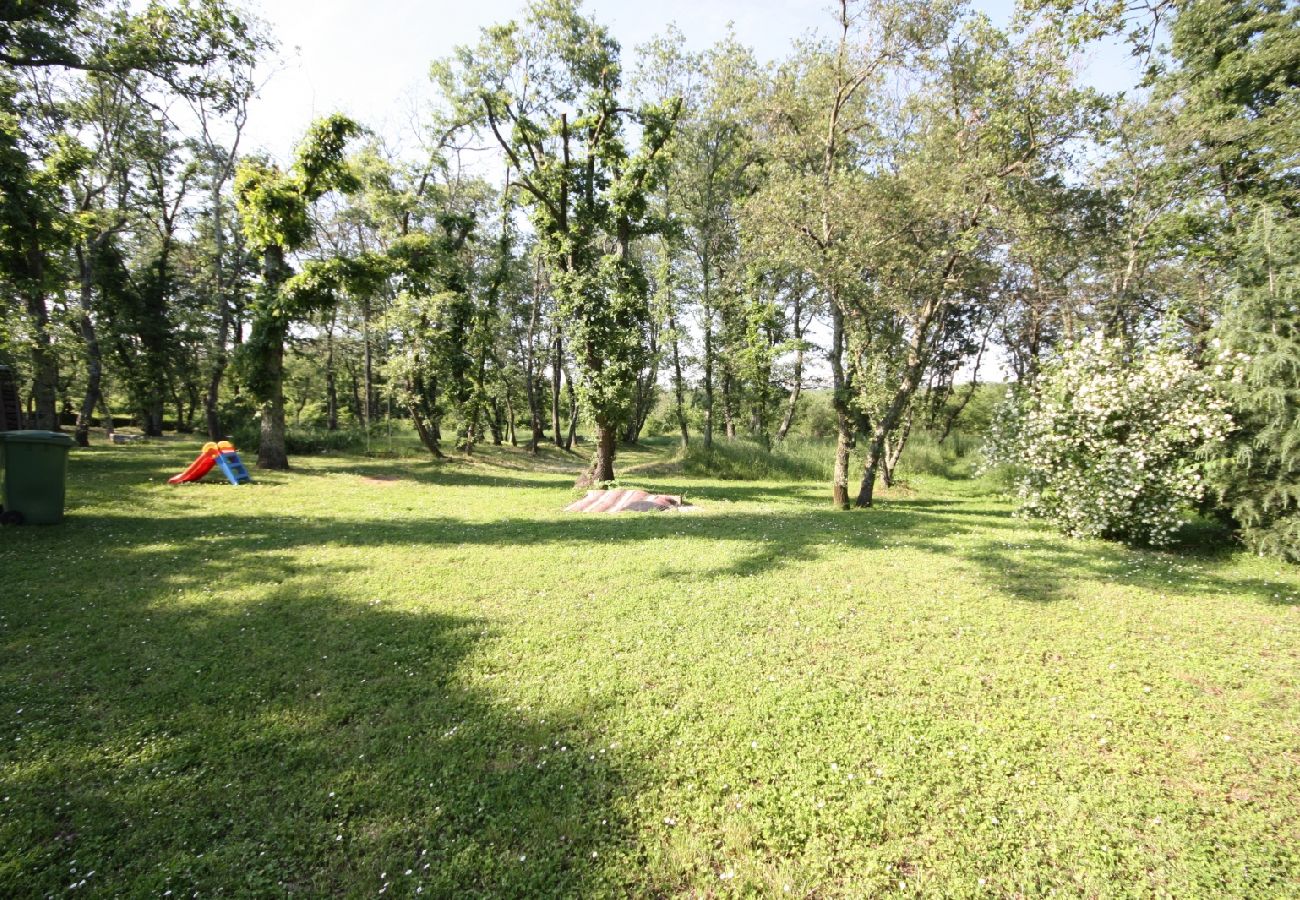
(36, 437)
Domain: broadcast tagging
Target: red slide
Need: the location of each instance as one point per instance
(197, 469)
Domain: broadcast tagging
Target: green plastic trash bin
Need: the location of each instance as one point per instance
(35, 469)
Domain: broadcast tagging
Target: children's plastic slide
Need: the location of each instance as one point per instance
(223, 456)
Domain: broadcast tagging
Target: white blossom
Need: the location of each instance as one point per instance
(1104, 445)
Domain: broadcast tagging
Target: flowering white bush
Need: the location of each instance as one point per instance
(1104, 445)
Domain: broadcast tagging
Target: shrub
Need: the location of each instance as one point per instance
(1102, 444)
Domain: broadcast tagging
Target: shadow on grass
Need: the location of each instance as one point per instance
(310, 743)
(1020, 558)
(1049, 568)
(304, 744)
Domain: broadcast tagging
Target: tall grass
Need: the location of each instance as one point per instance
(956, 457)
(747, 460)
(813, 459)
(311, 441)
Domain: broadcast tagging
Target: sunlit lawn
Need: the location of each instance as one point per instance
(393, 675)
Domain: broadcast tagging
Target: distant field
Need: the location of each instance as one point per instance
(392, 675)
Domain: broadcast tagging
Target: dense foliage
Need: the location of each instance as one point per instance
(1103, 445)
(1256, 352)
(838, 245)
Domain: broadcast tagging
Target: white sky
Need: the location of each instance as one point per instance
(370, 58)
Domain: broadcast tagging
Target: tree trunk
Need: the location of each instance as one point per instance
(510, 418)
(94, 358)
(796, 377)
(368, 384)
(357, 413)
(534, 416)
(495, 425)
(45, 365)
(106, 417)
(572, 434)
(224, 316)
(601, 471)
(423, 407)
(917, 358)
(894, 451)
(532, 387)
(427, 436)
(840, 399)
(271, 453)
(879, 435)
(331, 383)
(154, 414)
(708, 377)
(557, 363)
(679, 386)
(867, 490)
(728, 405)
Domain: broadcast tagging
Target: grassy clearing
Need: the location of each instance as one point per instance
(395, 674)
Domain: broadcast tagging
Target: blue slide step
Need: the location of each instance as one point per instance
(233, 467)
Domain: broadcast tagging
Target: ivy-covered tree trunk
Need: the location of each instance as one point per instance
(557, 361)
(220, 354)
(273, 207)
(267, 342)
(271, 451)
(572, 433)
(602, 463)
(423, 407)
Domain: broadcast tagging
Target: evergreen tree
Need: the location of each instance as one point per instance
(1257, 354)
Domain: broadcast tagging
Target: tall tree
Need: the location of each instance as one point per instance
(156, 48)
(273, 206)
(713, 169)
(806, 216)
(993, 116)
(547, 90)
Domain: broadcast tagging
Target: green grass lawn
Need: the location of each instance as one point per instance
(398, 676)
